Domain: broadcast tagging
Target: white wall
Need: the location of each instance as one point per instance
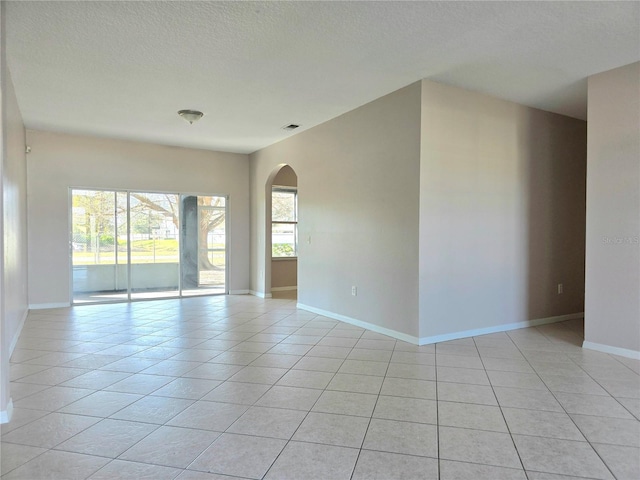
(13, 285)
(502, 213)
(612, 306)
(59, 161)
(358, 181)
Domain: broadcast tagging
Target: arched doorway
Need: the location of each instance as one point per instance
(281, 255)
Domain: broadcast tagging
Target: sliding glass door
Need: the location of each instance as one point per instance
(204, 250)
(142, 245)
(99, 245)
(155, 245)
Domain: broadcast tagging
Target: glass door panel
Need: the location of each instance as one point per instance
(154, 245)
(98, 245)
(203, 236)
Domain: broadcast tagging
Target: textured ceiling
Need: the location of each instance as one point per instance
(123, 69)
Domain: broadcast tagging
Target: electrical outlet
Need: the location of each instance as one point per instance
(560, 289)
(354, 291)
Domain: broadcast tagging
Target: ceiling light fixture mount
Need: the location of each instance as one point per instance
(191, 116)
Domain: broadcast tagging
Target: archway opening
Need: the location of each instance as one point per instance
(281, 269)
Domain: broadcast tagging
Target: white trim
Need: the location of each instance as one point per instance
(259, 294)
(42, 306)
(239, 292)
(284, 289)
(15, 338)
(499, 328)
(622, 352)
(359, 323)
(440, 338)
(5, 415)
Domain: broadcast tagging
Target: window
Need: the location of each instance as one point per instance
(284, 222)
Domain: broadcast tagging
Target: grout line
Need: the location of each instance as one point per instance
(366, 431)
(566, 413)
(501, 411)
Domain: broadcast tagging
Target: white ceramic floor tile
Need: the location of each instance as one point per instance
(305, 379)
(450, 470)
(402, 437)
(123, 470)
(58, 465)
(475, 417)
(187, 388)
(542, 424)
(140, 383)
(175, 375)
(466, 393)
(14, 455)
(614, 431)
(346, 403)
(476, 446)
(596, 405)
(53, 398)
(171, 446)
(313, 462)
(153, 409)
(330, 429)
(108, 438)
(394, 466)
(562, 457)
(268, 422)
(406, 409)
(624, 462)
(346, 382)
(290, 397)
(101, 404)
(50, 430)
(209, 416)
(239, 455)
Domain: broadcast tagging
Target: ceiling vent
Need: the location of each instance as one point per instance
(290, 127)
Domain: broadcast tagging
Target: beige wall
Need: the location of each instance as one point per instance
(284, 271)
(502, 209)
(358, 180)
(58, 162)
(13, 284)
(612, 306)
(286, 177)
(284, 274)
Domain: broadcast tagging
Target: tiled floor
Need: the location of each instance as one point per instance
(228, 387)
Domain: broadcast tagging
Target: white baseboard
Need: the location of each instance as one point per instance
(359, 323)
(622, 352)
(284, 289)
(439, 338)
(239, 292)
(43, 306)
(259, 294)
(499, 328)
(14, 340)
(5, 415)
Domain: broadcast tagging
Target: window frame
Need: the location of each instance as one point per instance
(294, 191)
